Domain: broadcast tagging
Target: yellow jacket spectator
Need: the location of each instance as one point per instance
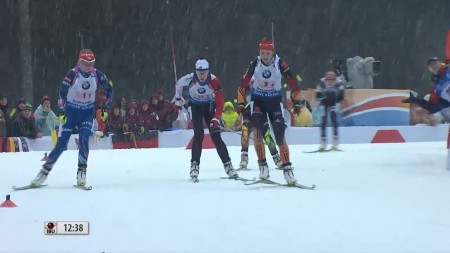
(304, 119)
(230, 117)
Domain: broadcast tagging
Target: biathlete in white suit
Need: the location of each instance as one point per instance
(76, 102)
(204, 91)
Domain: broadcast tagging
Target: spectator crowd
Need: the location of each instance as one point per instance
(138, 117)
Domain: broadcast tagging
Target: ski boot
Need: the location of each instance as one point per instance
(289, 174)
(81, 176)
(194, 171)
(263, 170)
(244, 160)
(230, 170)
(335, 142)
(40, 178)
(323, 144)
(277, 160)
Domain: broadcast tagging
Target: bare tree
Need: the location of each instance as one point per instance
(25, 50)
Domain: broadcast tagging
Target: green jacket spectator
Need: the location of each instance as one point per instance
(46, 120)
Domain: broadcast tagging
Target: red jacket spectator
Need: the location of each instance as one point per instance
(132, 123)
(168, 111)
(147, 119)
(116, 121)
(156, 113)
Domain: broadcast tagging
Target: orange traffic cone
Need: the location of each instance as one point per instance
(45, 158)
(8, 202)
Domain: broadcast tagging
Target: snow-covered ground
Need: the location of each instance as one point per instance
(369, 198)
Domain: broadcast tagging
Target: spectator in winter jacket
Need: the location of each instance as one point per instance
(122, 104)
(147, 120)
(168, 111)
(24, 125)
(17, 109)
(230, 117)
(132, 123)
(156, 112)
(303, 119)
(5, 120)
(46, 120)
(115, 121)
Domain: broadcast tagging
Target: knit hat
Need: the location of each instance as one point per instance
(27, 106)
(134, 102)
(22, 101)
(202, 64)
(289, 102)
(45, 98)
(87, 55)
(432, 59)
(266, 44)
(160, 92)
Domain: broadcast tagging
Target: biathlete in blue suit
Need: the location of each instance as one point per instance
(76, 102)
(440, 93)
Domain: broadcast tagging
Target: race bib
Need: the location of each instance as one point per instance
(84, 96)
(445, 94)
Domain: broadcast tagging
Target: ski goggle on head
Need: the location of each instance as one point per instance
(87, 58)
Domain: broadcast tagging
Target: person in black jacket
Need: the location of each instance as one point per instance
(329, 92)
(17, 108)
(5, 120)
(24, 124)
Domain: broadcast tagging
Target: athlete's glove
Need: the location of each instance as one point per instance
(214, 126)
(105, 113)
(240, 108)
(62, 117)
(178, 103)
(411, 100)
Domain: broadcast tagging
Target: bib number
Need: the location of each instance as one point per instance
(84, 96)
(445, 94)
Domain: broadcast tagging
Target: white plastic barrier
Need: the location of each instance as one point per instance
(45, 143)
(294, 136)
(311, 135)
